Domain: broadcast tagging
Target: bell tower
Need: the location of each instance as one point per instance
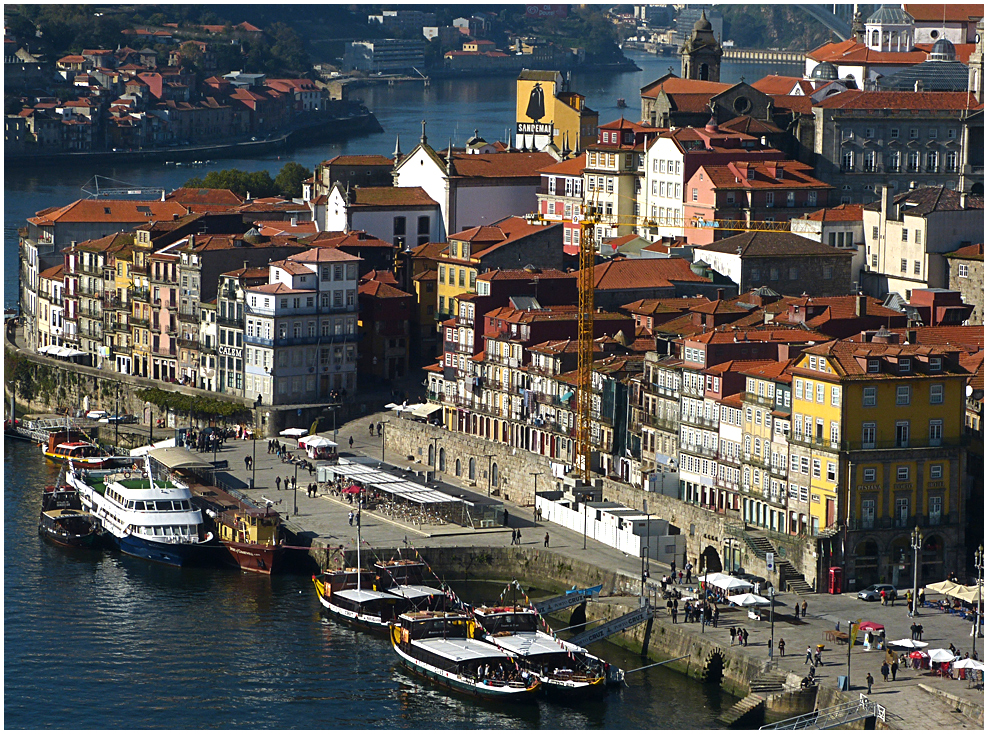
(702, 52)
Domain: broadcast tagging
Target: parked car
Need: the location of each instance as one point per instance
(119, 419)
(874, 592)
(96, 414)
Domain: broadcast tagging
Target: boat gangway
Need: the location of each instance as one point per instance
(833, 717)
(618, 624)
(571, 598)
(38, 429)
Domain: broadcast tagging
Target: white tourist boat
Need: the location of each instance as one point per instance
(142, 516)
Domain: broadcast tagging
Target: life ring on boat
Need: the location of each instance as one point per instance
(126, 475)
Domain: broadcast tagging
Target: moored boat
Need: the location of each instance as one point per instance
(70, 445)
(441, 647)
(565, 669)
(63, 521)
(141, 515)
(249, 535)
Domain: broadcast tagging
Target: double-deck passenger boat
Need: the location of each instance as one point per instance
(143, 516)
(441, 647)
(565, 669)
(62, 519)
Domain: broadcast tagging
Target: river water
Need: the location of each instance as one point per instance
(96, 640)
(452, 110)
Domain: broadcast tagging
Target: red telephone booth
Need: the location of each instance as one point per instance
(836, 577)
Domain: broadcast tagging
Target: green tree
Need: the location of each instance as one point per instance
(289, 179)
(257, 183)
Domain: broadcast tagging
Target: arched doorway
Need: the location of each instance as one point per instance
(442, 460)
(472, 469)
(710, 560)
(865, 564)
(494, 475)
(432, 455)
(458, 468)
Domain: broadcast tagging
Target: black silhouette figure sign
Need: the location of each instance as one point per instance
(536, 103)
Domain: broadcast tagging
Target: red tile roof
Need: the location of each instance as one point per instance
(970, 338)
(570, 167)
(391, 196)
(855, 99)
(775, 370)
(377, 289)
(802, 105)
(644, 273)
(772, 244)
(652, 306)
(851, 356)
(970, 252)
(499, 165)
(353, 238)
(749, 125)
(851, 51)
(486, 239)
(196, 197)
(117, 211)
(841, 213)
(360, 160)
(525, 274)
(678, 86)
(775, 84)
(975, 364)
(324, 254)
(53, 273)
(951, 13)
(760, 175)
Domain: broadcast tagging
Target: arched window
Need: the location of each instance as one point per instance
(494, 476)
(458, 468)
(432, 455)
(875, 38)
(704, 72)
(442, 459)
(472, 469)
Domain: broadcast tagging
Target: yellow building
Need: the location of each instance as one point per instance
(547, 112)
(140, 299)
(878, 427)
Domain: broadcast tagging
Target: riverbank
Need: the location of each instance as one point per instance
(334, 128)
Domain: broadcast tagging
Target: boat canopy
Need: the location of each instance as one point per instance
(460, 650)
(175, 457)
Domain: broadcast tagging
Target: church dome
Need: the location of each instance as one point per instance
(824, 71)
(943, 50)
(890, 15)
(703, 24)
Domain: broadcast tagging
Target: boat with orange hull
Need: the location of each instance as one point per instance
(250, 536)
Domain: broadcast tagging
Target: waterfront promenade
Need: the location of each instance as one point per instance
(909, 704)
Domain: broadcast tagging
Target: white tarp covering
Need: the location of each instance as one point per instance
(293, 432)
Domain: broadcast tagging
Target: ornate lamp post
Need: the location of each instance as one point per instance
(916, 542)
(253, 455)
(979, 566)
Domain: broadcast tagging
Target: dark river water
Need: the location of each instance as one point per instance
(96, 640)
(452, 110)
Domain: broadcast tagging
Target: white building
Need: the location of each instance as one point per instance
(300, 333)
(405, 217)
(385, 55)
(840, 226)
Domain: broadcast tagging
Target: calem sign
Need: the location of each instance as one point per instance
(546, 11)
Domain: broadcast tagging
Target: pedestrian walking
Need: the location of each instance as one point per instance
(746, 638)
(818, 659)
(894, 668)
(796, 609)
(734, 633)
(804, 608)
(547, 540)
(680, 577)
(519, 536)
(247, 462)
(351, 442)
(675, 613)
(883, 597)
(716, 615)
(672, 567)
(809, 655)
(782, 648)
(885, 672)
(350, 518)
(871, 681)
(277, 483)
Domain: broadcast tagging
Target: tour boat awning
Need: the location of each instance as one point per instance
(414, 591)
(460, 650)
(176, 457)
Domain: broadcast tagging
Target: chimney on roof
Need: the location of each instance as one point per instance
(918, 86)
(162, 194)
(963, 200)
(720, 294)
(911, 336)
(246, 264)
(860, 306)
(886, 207)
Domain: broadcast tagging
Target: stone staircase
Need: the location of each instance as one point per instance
(789, 577)
(768, 683)
(745, 707)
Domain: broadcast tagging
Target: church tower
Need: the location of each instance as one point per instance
(976, 65)
(701, 53)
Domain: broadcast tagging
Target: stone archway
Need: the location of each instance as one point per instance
(432, 455)
(710, 561)
(442, 460)
(865, 564)
(713, 668)
(931, 560)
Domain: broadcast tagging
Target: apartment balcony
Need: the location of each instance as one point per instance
(699, 420)
(171, 330)
(816, 443)
(188, 342)
(709, 451)
(227, 321)
(669, 392)
(188, 314)
(903, 523)
(112, 300)
(725, 484)
(750, 397)
(140, 294)
(662, 424)
(139, 322)
(756, 460)
(90, 269)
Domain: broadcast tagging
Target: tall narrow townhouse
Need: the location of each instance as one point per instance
(230, 306)
(881, 426)
(164, 268)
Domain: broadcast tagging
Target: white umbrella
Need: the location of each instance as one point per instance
(909, 644)
(940, 655)
(968, 663)
(730, 583)
(748, 600)
(316, 441)
(293, 432)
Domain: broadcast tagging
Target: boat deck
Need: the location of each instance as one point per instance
(460, 650)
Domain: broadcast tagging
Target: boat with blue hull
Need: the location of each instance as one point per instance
(144, 516)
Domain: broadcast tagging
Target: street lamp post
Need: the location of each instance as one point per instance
(584, 521)
(979, 567)
(435, 453)
(916, 542)
(253, 455)
(648, 535)
(116, 416)
(771, 616)
(850, 643)
(295, 488)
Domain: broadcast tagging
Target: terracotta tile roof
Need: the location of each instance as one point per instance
(718, 307)
(353, 238)
(959, 13)
(272, 204)
(292, 267)
(749, 125)
(739, 365)
(499, 165)
(775, 84)
(644, 273)
(53, 273)
(772, 369)
(279, 227)
(117, 211)
(802, 105)
(855, 99)
(556, 347)
(569, 167)
(616, 242)
(841, 307)
(278, 288)
(486, 239)
(104, 244)
(969, 338)
(426, 275)
(360, 160)
(929, 199)
(732, 401)
(249, 273)
(970, 252)
(433, 368)
(766, 333)
(324, 255)
(676, 85)
(851, 357)
(382, 276)
(772, 244)
(975, 364)
(841, 213)
(219, 197)
(522, 274)
(759, 175)
(377, 289)
(429, 251)
(652, 306)
(851, 51)
(391, 196)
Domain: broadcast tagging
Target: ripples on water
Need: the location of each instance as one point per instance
(103, 641)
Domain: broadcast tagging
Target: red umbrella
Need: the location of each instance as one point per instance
(352, 489)
(917, 654)
(870, 626)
